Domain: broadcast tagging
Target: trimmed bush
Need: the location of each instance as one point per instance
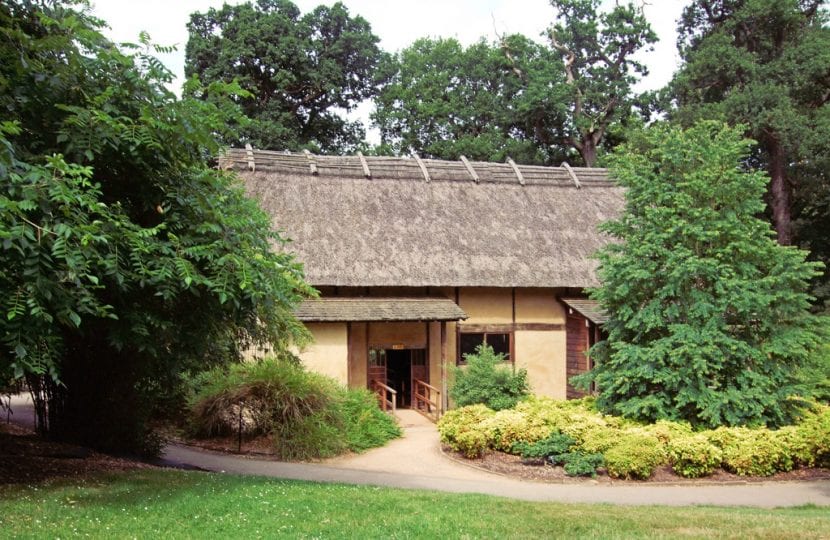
(812, 438)
(472, 443)
(305, 414)
(556, 444)
(464, 419)
(694, 456)
(488, 381)
(635, 456)
(508, 427)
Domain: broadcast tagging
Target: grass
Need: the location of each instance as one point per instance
(172, 504)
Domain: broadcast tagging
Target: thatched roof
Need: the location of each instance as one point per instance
(590, 309)
(379, 309)
(382, 221)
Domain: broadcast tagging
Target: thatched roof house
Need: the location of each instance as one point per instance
(502, 242)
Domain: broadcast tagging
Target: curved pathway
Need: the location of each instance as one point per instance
(415, 461)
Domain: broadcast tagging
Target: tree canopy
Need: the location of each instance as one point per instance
(443, 100)
(766, 65)
(125, 257)
(709, 318)
(299, 70)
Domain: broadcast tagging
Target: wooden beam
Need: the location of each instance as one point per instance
(311, 165)
(422, 166)
(516, 170)
(507, 328)
(249, 150)
(470, 169)
(572, 174)
(444, 384)
(366, 172)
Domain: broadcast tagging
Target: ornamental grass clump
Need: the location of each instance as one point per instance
(306, 415)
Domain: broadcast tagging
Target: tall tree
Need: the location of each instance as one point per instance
(709, 319)
(597, 48)
(443, 100)
(125, 257)
(299, 70)
(764, 64)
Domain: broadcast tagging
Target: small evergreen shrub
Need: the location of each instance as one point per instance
(472, 443)
(582, 464)
(694, 456)
(463, 419)
(635, 456)
(556, 444)
(813, 438)
(488, 381)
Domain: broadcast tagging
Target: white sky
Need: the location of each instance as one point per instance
(397, 23)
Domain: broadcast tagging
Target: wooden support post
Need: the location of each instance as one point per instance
(366, 172)
(470, 169)
(572, 174)
(516, 170)
(444, 400)
(249, 150)
(311, 164)
(422, 166)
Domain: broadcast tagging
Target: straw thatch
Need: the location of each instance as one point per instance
(481, 225)
(379, 309)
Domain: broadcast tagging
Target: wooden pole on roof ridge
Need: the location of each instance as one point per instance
(366, 172)
(311, 165)
(572, 174)
(470, 169)
(249, 150)
(422, 166)
(516, 170)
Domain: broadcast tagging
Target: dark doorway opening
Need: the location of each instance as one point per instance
(399, 374)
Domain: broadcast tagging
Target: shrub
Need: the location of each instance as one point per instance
(634, 456)
(556, 444)
(472, 443)
(487, 381)
(582, 464)
(307, 415)
(463, 419)
(508, 427)
(758, 452)
(813, 436)
(694, 456)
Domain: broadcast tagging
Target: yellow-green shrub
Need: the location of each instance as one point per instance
(693, 456)
(667, 431)
(812, 438)
(758, 452)
(510, 426)
(635, 456)
(472, 443)
(460, 420)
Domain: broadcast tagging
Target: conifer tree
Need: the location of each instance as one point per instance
(709, 316)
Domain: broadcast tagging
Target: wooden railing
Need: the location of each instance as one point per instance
(387, 396)
(427, 399)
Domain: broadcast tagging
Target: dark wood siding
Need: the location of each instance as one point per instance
(578, 340)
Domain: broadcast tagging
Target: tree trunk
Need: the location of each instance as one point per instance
(588, 151)
(780, 193)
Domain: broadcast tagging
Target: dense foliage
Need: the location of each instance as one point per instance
(298, 69)
(764, 64)
(487, 380)
(708, 315)
(306, 415)
(597, 48)
(574, 434)
(443, 100)
(125, 257)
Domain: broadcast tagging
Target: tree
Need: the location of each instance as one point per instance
(125, 257)
(709, 318)
(597, 48)
(299, 70)
(443, 101)
(764, 64)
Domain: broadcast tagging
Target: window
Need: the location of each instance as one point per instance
(468, 341)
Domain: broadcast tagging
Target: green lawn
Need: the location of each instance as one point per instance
(168, 504)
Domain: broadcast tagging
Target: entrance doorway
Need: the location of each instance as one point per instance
(399, 369)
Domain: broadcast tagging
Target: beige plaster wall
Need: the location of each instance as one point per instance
(358, 354)
(329, 352)
(542, 353)
(486, 305)
(538, 306)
